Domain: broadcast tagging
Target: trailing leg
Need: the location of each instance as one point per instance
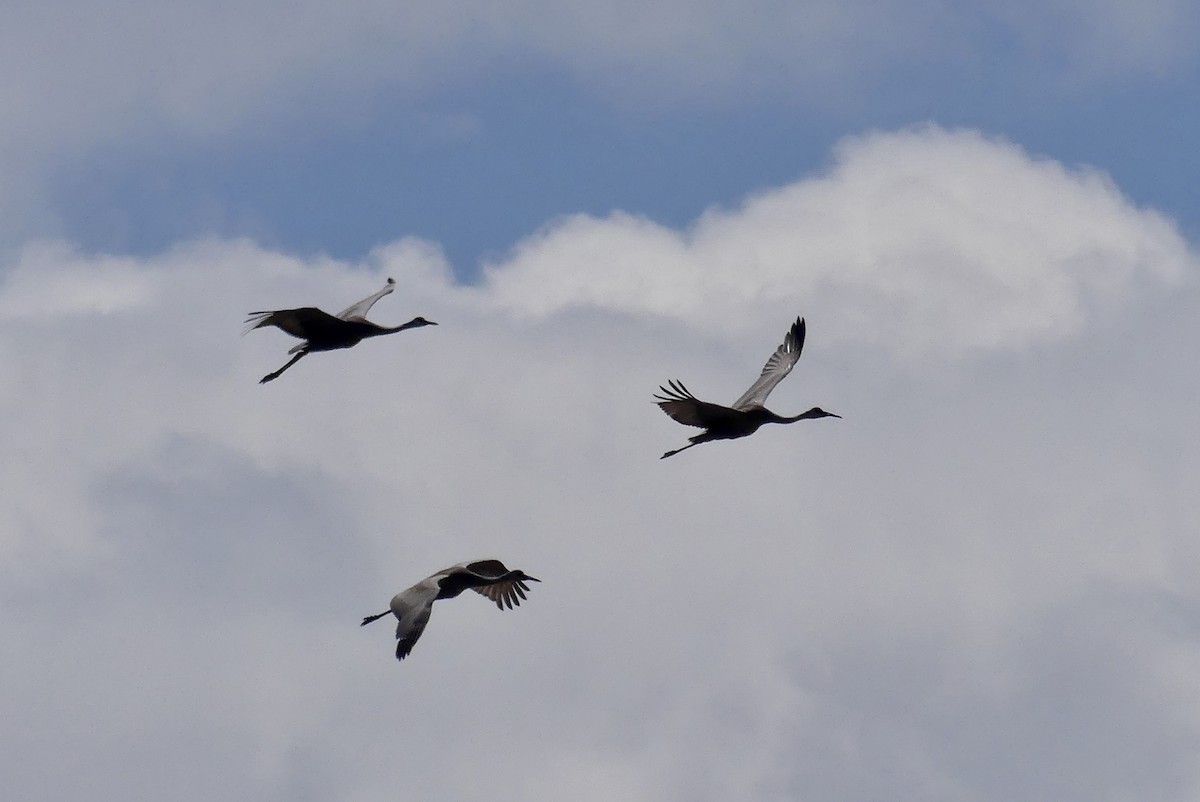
(276, 374)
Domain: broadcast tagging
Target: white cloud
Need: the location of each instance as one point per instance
(920, 241)
(980, 584)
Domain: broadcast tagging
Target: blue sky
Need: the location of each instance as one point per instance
(981, 583)
(476, 161)
(523, 148)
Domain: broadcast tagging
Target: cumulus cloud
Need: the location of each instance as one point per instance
(980, 584)
(925, 240)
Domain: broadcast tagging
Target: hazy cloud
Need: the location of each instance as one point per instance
(75, 75)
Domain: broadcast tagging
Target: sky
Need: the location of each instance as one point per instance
(981, 584)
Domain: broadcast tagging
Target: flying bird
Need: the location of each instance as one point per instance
(747, 413)
(322, 331)
(486, 577)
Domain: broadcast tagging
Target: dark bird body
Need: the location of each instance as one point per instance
(413, 606)
(322, 331)
(747, 413)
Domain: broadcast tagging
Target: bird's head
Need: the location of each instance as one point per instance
(417, 322)
(817, 412)
(524, 577)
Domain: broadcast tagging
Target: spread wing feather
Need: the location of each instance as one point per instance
(678, 402)
(361, 308)
(304, 323)
(507, 594)
(408, 635)
(779, 365)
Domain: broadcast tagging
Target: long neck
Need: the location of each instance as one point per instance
(393, 329)
(760, 415)
(812, 413)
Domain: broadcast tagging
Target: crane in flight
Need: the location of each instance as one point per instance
(747, 413)
(412, 607)
(322, 331)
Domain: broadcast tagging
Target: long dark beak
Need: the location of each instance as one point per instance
(532, 579)
(834, 416)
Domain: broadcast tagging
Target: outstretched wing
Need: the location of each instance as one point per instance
(678, 402)
(409, 632)
(412, 608)
(779, 365)
(306, 323)
(361, 308)
(508, 593)
(484, 569)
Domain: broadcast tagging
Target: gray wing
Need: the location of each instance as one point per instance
(505, 594)
(361, 308)
(409, 632)
(779, 365)
(412, 609)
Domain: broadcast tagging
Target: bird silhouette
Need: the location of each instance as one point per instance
(486, 577)
(747, 413)
(322, 331)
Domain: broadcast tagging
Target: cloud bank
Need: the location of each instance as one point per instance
(980, 584)
(918, 241)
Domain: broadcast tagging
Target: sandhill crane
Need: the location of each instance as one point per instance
(322, 331)
(486, 577)
(748, 412)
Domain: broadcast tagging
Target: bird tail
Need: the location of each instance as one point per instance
(256, 320)
(371, 618)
